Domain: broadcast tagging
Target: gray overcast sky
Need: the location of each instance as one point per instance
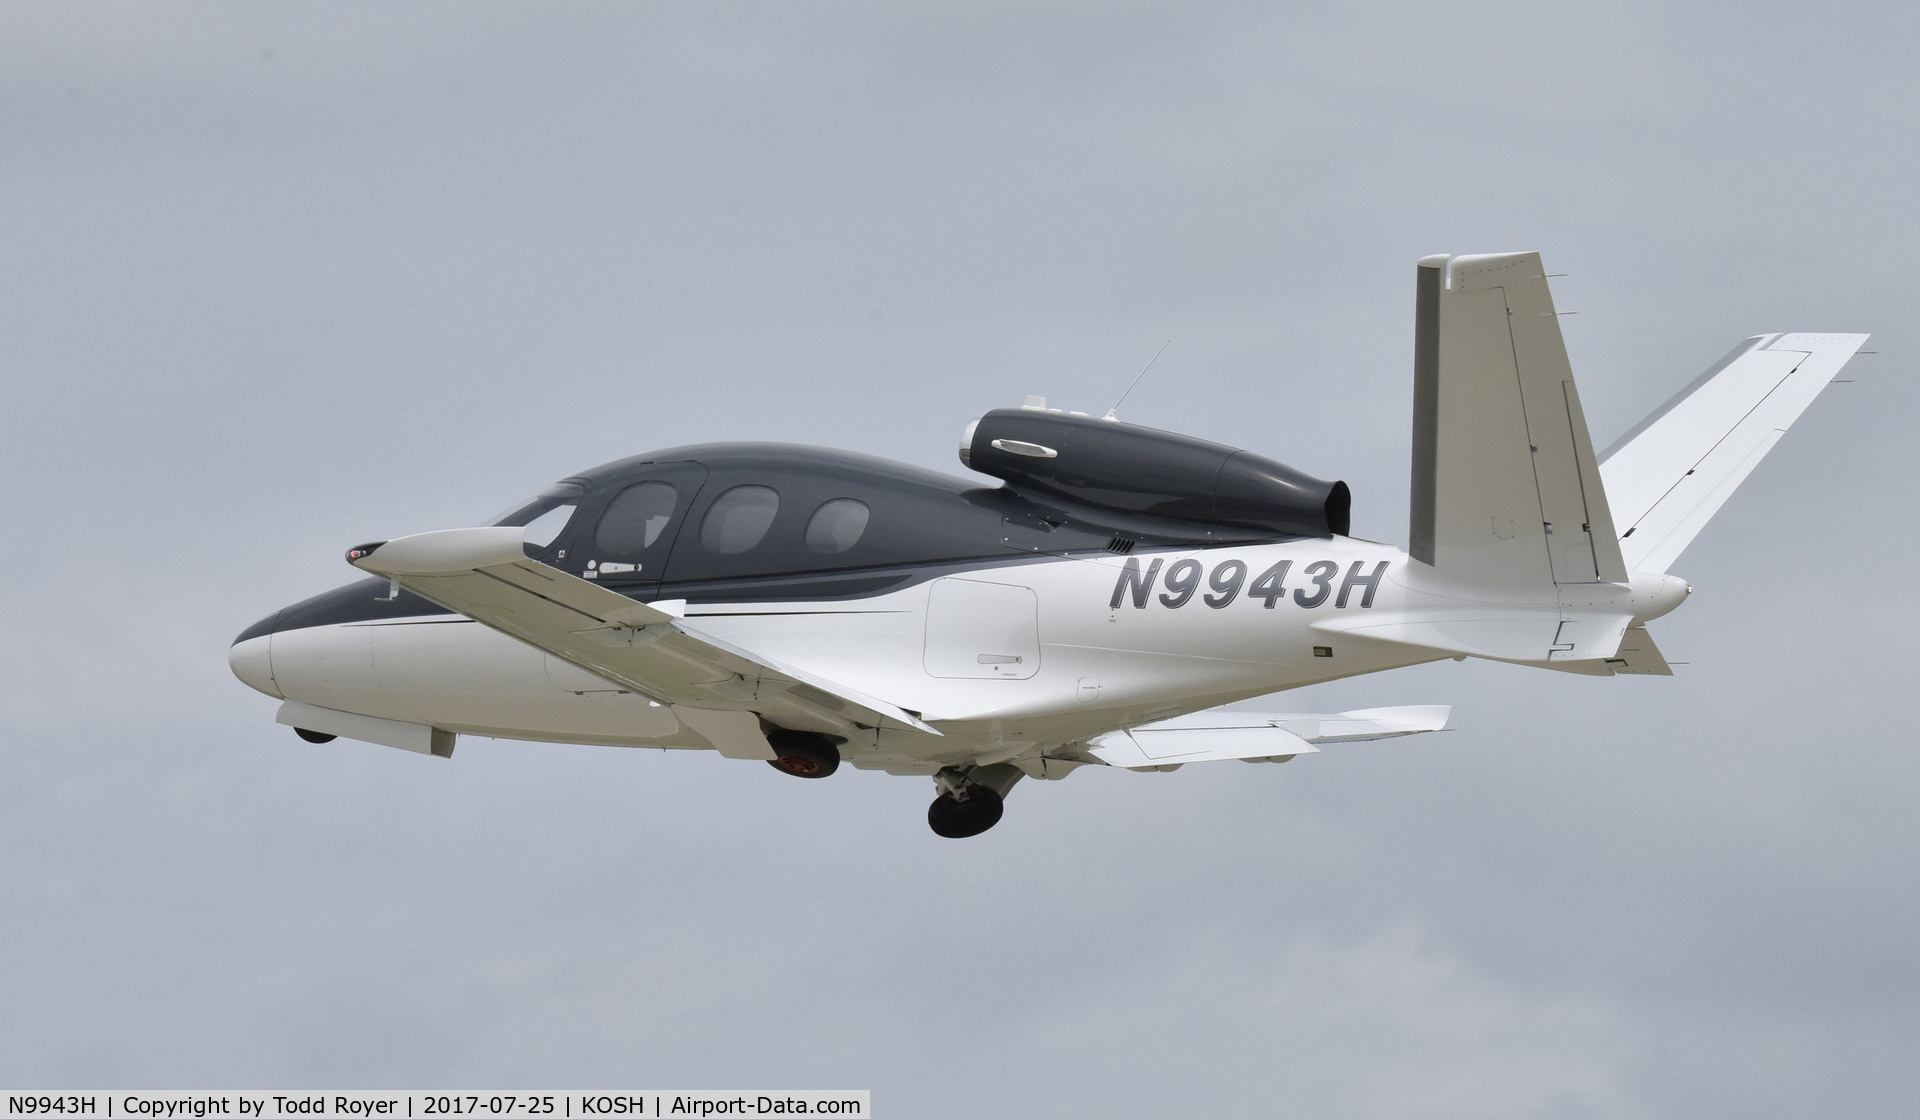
(279, 278)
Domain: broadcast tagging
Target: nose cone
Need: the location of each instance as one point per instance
(252, 661)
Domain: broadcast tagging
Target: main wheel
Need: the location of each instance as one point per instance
(314, 736)
(950, 817)
(803, 754)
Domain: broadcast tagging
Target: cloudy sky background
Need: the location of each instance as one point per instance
(279, 278)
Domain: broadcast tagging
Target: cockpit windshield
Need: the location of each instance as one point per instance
(545, 515)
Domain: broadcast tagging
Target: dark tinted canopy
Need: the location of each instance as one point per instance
(823, 525)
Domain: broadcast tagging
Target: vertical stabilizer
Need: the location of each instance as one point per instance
(1506, 490)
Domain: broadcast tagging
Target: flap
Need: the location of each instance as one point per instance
(485, 574)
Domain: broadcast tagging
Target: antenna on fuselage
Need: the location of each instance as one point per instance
(1114, 412)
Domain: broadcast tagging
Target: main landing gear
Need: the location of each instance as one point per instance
(804, 754)
(971, 799)
(314, 736)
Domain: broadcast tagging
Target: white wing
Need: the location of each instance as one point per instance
(716, 688)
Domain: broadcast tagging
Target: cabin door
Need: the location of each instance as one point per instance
(628, 546)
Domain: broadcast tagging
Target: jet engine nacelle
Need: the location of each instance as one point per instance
(1111, 465)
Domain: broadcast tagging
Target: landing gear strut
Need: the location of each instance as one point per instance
(971, 800)
(804, 754)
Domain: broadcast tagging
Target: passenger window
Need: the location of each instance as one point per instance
(738, 519)
(636, 518)
(836, 526)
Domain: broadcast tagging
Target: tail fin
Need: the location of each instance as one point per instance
(1506, 490)
(1675, 469)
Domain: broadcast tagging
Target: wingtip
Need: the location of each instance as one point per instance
(360, 552)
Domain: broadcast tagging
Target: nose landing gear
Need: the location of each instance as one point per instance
(966, 812)
(971, 800)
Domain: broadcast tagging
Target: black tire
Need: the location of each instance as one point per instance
(314, 736)
(803, 754)
(955, 819)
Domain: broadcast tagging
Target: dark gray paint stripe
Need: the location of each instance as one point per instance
(1426, 413)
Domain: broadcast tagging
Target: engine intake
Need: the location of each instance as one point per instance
(1126, 467)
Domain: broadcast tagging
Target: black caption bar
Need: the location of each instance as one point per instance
(696, 1104)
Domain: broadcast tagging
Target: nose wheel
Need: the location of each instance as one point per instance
(968, 811)
(971, 799)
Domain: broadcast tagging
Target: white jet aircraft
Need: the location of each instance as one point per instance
(1097, 606)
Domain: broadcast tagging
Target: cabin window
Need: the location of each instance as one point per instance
(836, 526)
(738, 519)
(544, 517)
(636, 518)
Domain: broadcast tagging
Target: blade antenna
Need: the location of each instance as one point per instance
(1114, 412)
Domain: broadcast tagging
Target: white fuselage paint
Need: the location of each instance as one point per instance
(967, 665)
